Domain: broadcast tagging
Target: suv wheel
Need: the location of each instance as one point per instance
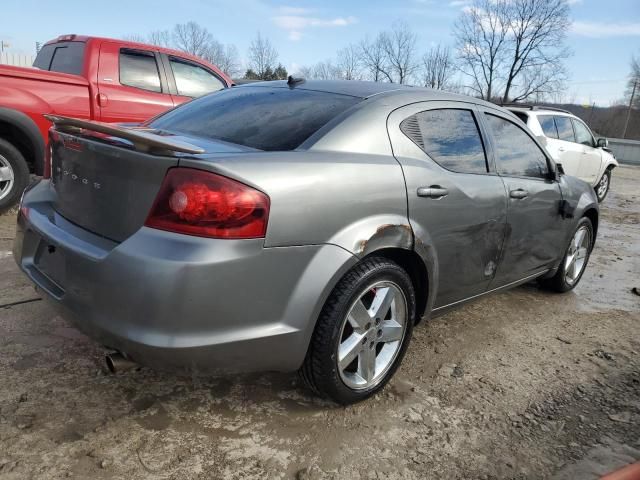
(602, 188)
(14, 175)
(575, 259)
(362, 333)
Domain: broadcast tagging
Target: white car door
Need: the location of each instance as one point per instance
(569, 152)
(591, 158)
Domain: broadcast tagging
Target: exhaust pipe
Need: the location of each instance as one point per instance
(117, 362)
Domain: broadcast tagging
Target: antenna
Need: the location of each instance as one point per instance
(292, 82)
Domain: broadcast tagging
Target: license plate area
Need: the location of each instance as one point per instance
(50, 261)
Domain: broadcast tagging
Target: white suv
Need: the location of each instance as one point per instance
(571, 144)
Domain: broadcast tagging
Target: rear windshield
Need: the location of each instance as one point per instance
(63, 57)
(257, 117)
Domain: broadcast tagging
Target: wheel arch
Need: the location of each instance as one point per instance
(23, 133)
(593, 215)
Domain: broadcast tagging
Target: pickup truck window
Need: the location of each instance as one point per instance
(192, 80)
(140, 70)
(63, 57)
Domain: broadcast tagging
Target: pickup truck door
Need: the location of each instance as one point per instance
(188, 79)
(132, 85)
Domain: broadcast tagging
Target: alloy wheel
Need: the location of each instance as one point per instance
(6, 177)
(603, 186)
(577, 254)
(372, 335)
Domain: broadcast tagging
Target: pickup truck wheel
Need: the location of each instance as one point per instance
(14, 175)
(362, 333)
(602, 188)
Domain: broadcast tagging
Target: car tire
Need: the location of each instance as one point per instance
(572, 267)
(603, 186)
(15, 169)
(375, 296)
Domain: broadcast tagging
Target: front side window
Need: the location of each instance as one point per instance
(139, 69)
(548, 126)
(565, 130)
(583, 135)
(516, 153)
(450, 137)
(192, 80)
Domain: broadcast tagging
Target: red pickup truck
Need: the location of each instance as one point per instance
(90, 78)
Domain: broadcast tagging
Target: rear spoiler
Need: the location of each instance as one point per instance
(141, 137)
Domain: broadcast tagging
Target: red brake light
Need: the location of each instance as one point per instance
(196, 202)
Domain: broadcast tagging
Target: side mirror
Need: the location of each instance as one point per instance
(542, 139)
(560, 169)
(602, 143)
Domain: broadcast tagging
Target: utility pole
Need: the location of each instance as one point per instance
(633, 94)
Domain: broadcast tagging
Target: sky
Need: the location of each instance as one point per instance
(603, 37)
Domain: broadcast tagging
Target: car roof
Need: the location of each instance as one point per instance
(365, 89)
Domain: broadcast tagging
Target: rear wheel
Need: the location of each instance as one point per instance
(362, 333)
(602, 188)
(14, 175)
(575, 259)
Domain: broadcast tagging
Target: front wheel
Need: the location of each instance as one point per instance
(602, 188)
(575, 259)
(362, 333)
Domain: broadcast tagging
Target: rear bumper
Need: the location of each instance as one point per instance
(175, 301)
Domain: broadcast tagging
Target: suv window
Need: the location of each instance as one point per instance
(192, 80)
(139, 69)
(63, 57)
(450, 137)
(257, 117)
(583, 135)
(548, 126)
(516, 152)
(565, 130)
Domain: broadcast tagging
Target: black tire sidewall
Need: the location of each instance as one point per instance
(564, 286)
(20, 174)
(331, 383)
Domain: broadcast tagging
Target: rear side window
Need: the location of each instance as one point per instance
(548, 126)
(583, 135)
(139, 69)
(257, 117)
(516, 153)
(192, 80)
(450, 137)
(522, 116)
(565, 130)
(63, 57)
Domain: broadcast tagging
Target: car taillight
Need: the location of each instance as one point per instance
(197, 202)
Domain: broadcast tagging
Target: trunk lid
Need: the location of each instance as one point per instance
(106, 186)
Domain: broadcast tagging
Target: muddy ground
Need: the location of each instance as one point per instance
(524, 384)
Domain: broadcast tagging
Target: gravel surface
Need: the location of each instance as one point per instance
(524, 384)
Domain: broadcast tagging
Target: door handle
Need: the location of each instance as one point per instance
(434, 191)
(518, 194)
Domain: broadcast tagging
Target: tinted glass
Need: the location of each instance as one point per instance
(565, 130)
(63, 57)
(522, 116)
(139, 70)
(450, 137)
(516, 153)
(257, 117)
(583, 135)
(548, 126)
(194, 81)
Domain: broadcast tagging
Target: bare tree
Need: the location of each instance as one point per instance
(634, 78)
(262, 56)
(535, 51)
(399, 46)
(161, 38)
(225, 57)
(326, 71)
(349, 63)
(438, 68)
(374, 58)
(192, 38)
